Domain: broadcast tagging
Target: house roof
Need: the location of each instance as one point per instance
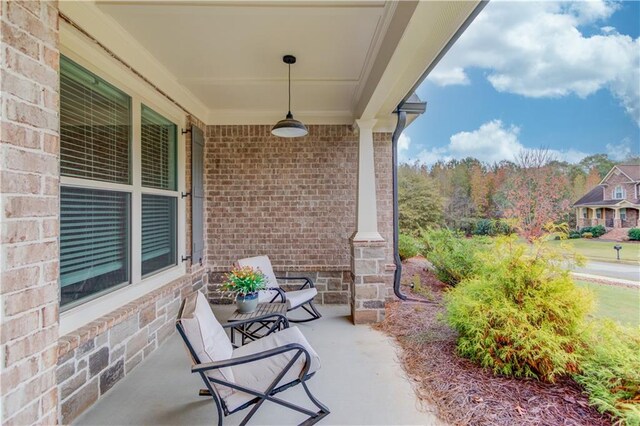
(596, 195)
(631, 170)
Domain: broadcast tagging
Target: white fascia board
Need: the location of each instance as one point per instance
(430, 28)
(110, 33)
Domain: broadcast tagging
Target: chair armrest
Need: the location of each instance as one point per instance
(281, 295)
(307, 281)
(198, 368)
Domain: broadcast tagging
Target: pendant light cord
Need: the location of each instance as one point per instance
(289, 88)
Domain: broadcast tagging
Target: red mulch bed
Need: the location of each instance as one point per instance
(462, 392)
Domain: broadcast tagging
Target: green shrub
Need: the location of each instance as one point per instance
(484, 227)
(521, 314)
(587, 235)
(595, 231)
(453, 256)
(610, 370)
(634, 234)
(598, 231)
(573, 235)
(407, 246)
(504, 227)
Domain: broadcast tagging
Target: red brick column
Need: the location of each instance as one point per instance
(29, 200)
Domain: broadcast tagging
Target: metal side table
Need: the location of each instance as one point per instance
(266, 319)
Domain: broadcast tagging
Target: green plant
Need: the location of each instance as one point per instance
(573, 235)
(610, 370)
(245, 280)
(634, 234)
(408, 246)
(521, 314)
(595, 231)
(453, 256)
(598, 231)
(485, 227)
(587, 235)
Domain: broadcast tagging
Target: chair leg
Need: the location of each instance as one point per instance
(324, 411)
(314, 314)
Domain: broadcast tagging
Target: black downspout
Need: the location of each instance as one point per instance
(402, 122)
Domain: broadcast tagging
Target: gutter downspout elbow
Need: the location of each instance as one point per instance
(401, 124)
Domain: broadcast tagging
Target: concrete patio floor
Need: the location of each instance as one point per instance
(360, 381)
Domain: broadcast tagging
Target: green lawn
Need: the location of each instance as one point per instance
(602, 250)
(619, 303)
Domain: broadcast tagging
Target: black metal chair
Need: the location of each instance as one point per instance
(237, 378)
(300, 298)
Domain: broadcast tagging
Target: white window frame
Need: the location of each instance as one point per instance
(598, 213)
(614, 195)
(97, 62)
(623, 213)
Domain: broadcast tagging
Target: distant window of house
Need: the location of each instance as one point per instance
(623, 214)
(103, 202)
(618, 193)
(584, 213)
(598, 213)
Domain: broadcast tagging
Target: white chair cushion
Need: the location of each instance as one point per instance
(298, 297)
(207, 337)
(258, 375)
(264, 264)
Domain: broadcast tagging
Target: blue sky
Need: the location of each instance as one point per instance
(564, 76)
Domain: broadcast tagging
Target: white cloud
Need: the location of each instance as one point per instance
(492, 142)
(404, 142)
(536, 49)
(619, 151)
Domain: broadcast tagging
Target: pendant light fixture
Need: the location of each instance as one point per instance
(289, 127)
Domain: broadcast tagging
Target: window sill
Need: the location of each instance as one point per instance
(81, 315)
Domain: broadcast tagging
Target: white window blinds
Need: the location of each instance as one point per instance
(95, 126)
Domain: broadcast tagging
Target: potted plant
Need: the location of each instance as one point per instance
(245, 282)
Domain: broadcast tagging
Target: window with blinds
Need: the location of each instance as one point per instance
(95, 126)
(94, 242)
(158, 156)
(158, 233)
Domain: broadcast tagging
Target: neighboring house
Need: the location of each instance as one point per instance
(615, 202)
(138, 165)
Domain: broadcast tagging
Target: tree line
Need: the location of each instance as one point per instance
(534, 190)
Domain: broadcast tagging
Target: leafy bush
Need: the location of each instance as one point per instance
(611, 370)
(407, 246)
(634, 234)
(492, 227)
(587, 235)
(573, 235)
(598, 231)
(484, 227)
(453, 256)
(595, 231)
(520, 315)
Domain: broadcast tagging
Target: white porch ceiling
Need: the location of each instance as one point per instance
(229, 55)
(222, 60)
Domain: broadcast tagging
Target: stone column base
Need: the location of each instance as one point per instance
(370, 279)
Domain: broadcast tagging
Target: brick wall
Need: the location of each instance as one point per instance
(92, 359)
(619, 178)
(29, 211)
(291, 199)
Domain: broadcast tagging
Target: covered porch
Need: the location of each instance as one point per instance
(359, 381)
(140, 164)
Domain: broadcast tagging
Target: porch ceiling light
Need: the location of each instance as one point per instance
(289, 127)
